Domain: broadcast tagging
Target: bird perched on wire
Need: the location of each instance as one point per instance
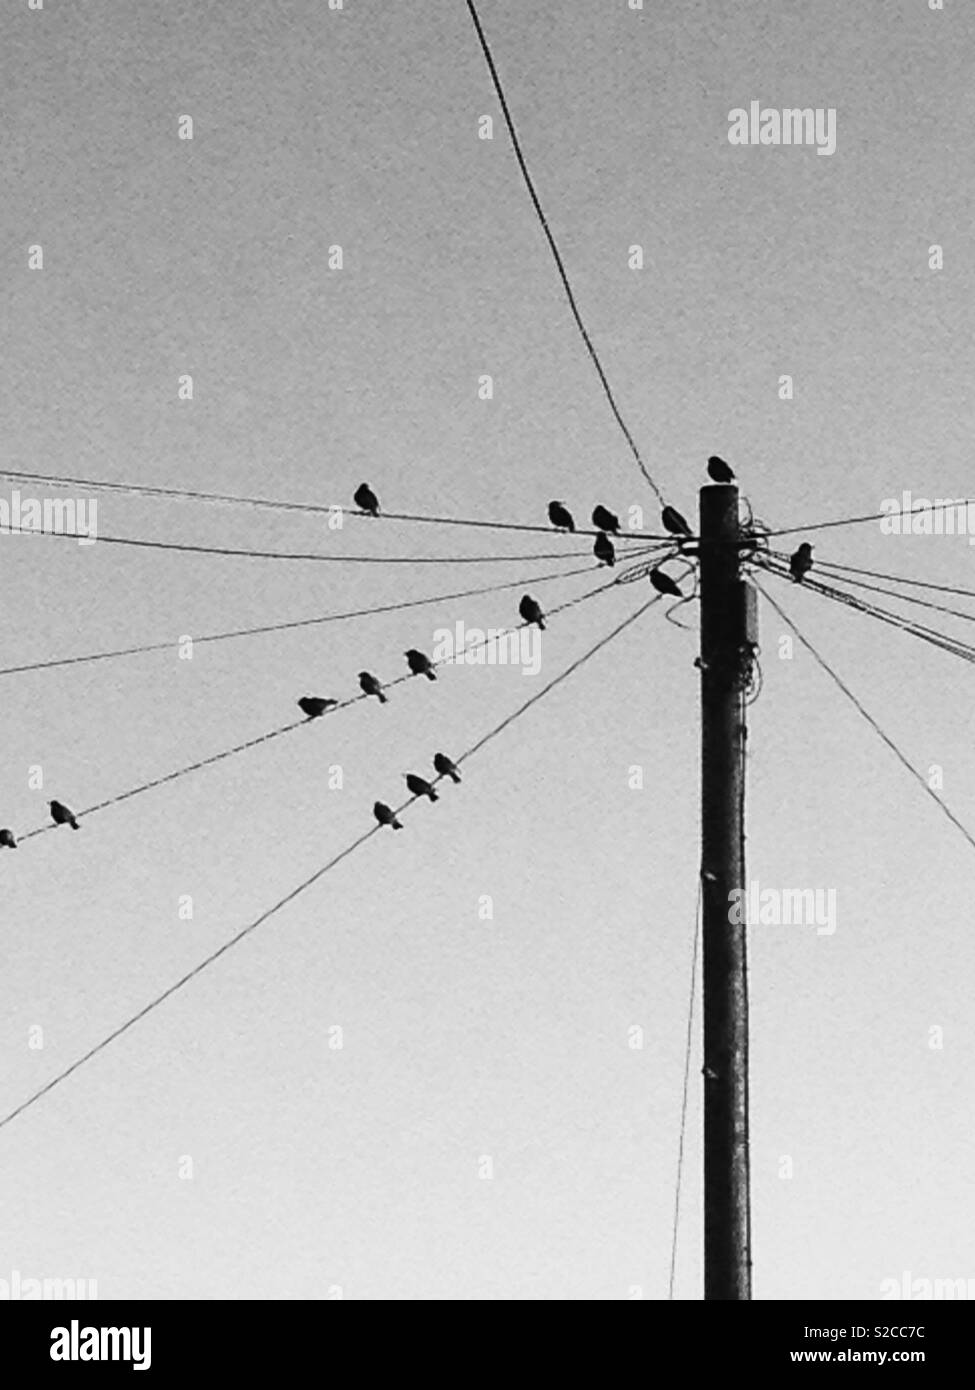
(445, 767)
(603, 549)
(371, 686)
(366, 500)
(385, 816)
(664, 584)
(531, 612)
(420, 664)
(314, 706)
(419, 786)
(7, 840)
(720, 471)
(674, 522)
(605, 520)
(62, 816)
(560, 517)
(801, 562)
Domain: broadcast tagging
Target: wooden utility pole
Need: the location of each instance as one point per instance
(726, 654)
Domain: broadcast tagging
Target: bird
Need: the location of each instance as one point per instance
(314, 705)
(603, 549)
(7, 840)
(62, 816)
(385, 816)
(664, 584)
(674, 522)
(419, 786)
(801, 562)
(366, 500)
(605, 520)
(560, 517)
(720, 471)
(530, 611)
(371, 686)
(445, 767)
(420, 664)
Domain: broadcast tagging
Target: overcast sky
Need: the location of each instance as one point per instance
(360, 1167)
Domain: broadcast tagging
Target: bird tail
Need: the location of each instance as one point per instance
(433, 795)
(396, 825)
(430, 675)
(541, 624)
(74, 824)
(455, 776)
(382, 697)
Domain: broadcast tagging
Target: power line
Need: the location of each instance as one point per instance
(313, 508)
(553, 247)
(927, 634)
(297, 623)
(301, 723)
(313, 878)
(865, 714)
(855, 520)
(292, 555)
(687, 1078)
(893, 578)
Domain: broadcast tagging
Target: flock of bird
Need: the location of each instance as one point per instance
(606, 523)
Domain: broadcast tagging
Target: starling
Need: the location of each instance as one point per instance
(419, 786)
(664, 584)
(720, 471)
(530, 611)
(62, 816)
(604, 520)
(385, 816)
(420, 664)
(801, 562)
(7, 840)
(314, 705)
(560, 517)
(366, 500)
(674, 522)
(445, 767)
(603, 549)
(370, 685)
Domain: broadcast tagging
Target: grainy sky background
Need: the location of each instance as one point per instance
(314, 1167)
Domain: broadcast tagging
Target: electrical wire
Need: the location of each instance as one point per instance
(856, 520)
(556, 255)
(297, 623)
(312, 508)
(301, 555)
(866, 715)
(687, 1078)
(493, 636)
(313, 878)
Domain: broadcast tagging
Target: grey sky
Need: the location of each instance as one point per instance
(316, 1167)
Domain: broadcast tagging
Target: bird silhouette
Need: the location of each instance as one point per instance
(366, 500)
(604, 520)
(674, 522)
(419, 664)
(445, 767)
(603, 549)
(385, 816)
(314, 705)
(720, 471)
(419, 786)
(664, 584)
(7, 840)
(371, 686)
(801, 562)
(62, 816)
(530, 611)
(560, 517)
